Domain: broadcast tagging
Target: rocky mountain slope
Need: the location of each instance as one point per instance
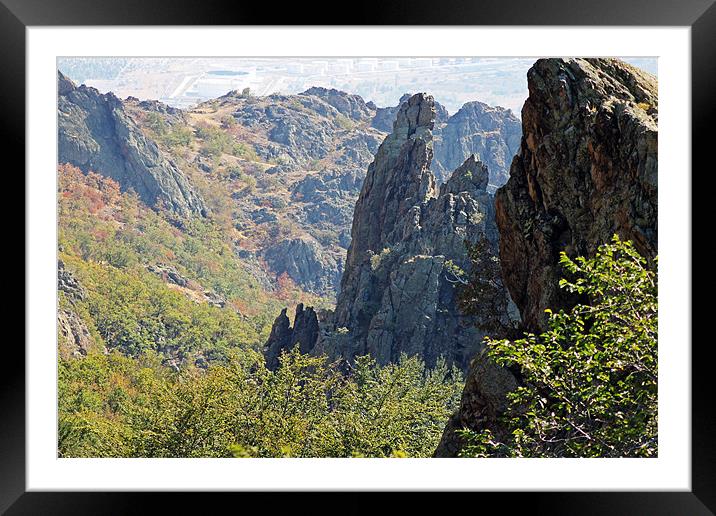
(96, 133)
(587, 168)
(398, 292)
(282, 173)
(493, 133)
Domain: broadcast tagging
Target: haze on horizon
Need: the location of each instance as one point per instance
(184, 82)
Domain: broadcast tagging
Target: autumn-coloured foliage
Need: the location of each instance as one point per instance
(91, 191)
(110, 239)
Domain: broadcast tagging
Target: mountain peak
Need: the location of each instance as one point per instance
(416, 117)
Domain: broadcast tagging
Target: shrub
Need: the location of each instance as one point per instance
(589, 383)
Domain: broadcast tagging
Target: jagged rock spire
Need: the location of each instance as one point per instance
(398, 178)
(283, 337)
(398, 293)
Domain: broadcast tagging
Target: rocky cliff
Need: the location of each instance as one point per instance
(493, 133)
(586, 169)
(398, 290)
(95, 133)
(75, 339)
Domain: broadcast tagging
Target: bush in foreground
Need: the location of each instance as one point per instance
(589, 384)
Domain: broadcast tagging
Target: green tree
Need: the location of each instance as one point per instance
(589, 383)
(116, 406)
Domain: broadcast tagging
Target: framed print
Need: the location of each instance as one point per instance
(425, 251)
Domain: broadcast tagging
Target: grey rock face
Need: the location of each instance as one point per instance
(384, 117)
(158, 107)
(352, 106)
(493, 133)
(587, 169)
(96, 134)
(75, 338)
(283, 337)
(67, 283)
(397, 294)
(304, 260)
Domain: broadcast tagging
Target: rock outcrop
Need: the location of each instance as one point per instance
(351, 106)
(304, 260)
(96, 134)
(75, 339)
(493, 133)
(284, 337)
(384, 117)
(587, 168)
(67, 283)
(398, 292)
(303, 128)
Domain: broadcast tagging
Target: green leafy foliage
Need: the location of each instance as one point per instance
(216, 142)
(116, 406)
(108, 239)
(172, 135)
(589, 383)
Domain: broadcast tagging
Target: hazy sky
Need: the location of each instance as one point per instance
(183, 82)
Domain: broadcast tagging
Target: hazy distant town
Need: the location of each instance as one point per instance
(183, 82)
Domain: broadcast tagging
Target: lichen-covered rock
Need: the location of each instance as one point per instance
(96, 134)
(587, 169)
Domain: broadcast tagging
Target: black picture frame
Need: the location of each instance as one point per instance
(700, 15)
